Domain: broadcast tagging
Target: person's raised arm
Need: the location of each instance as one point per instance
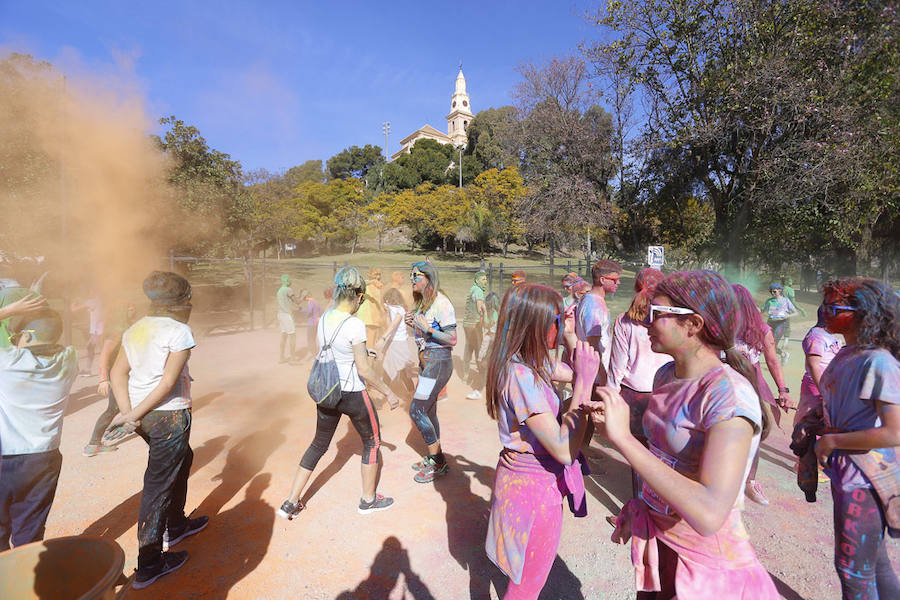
(366, 370)
(563, 440)
(30, 304)
(703, 504)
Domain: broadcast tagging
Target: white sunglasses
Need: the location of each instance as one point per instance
(671, 310)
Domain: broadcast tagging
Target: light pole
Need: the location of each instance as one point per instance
(460, 164)
(386, 130)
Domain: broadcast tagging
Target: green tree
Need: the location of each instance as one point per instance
(493, 138)
(311, 170)
(353, 162)
(500, 193)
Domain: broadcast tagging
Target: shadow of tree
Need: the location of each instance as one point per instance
(384, 582)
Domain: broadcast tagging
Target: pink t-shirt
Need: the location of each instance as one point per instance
(823, 344)
(680, 413)
(525, 395)
(631, 362)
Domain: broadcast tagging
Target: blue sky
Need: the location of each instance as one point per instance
(278, 83)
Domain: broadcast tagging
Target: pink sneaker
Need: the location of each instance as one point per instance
(755, 493)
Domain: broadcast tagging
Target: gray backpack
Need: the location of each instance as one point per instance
(324, 384)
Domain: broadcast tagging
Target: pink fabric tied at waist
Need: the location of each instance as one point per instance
(723, 566)
(524, 485)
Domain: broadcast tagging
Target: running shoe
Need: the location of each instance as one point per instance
(755, 493)
(422, 464)
(379, 502)
(431, 472)
(95, 449)
(474, 395)
(190, 527)
(289, 510)
(171, 561)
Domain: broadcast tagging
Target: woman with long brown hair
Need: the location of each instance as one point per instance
(703, 426)
(434, 322)
(540, 460)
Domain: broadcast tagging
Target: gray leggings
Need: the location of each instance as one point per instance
(435, 368)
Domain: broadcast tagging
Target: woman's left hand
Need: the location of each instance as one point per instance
(613, 416)
(824, 448)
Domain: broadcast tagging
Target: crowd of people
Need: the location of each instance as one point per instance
(675, 384)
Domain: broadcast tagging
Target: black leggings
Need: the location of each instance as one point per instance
(364, 418)
(435, 368)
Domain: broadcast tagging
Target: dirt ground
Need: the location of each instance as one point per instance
(253, 420)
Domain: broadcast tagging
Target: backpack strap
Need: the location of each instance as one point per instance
(336, 332)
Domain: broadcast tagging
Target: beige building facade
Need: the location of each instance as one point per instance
(457, 122)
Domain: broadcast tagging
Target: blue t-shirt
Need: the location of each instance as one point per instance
(850, 385)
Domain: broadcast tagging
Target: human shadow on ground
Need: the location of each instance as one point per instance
(83, 398)
(231, 548)
(786, 591)
(390, 563)
(467, 521)
(777, 452)
(121, 518)
(613, 474)
(775, 461)
(244, 460)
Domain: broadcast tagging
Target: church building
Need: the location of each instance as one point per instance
(457, 122)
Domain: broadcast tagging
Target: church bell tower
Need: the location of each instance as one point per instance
(460, 112)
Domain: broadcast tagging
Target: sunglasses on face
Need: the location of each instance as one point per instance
(611, 277)
(415, 276)
(665, 310)
(832, 309)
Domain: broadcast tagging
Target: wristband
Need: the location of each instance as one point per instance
(784, 390)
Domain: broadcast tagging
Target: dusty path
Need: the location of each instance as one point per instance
(252, 420)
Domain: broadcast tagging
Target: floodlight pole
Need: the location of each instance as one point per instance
(386, 130)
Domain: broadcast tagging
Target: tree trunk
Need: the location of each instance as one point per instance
(505, 246)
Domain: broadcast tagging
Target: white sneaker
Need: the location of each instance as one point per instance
(474, 395)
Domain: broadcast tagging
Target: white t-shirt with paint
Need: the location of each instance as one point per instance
(147, 345)
(34, 391)
(353, 331)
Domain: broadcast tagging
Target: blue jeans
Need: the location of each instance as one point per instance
(167, 433)
(435, 368)
(27, 488)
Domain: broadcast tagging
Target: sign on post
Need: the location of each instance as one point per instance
(656, 256)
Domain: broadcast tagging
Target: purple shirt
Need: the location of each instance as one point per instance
(855, 379)
(823, 344)
(525, 395)
(313, 312)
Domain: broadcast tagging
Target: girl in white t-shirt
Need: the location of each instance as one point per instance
(346, 333)
(398, 357)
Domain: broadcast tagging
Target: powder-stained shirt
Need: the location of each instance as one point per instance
(850, 386)
(476, 295)
(524, 396)
(441, 316)
(778, 309)
(283, 299)
(147, 346)
(680, 413)
(592, 320)
(34, 391)
(825, 345)
(631, 362)
(343, 330)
